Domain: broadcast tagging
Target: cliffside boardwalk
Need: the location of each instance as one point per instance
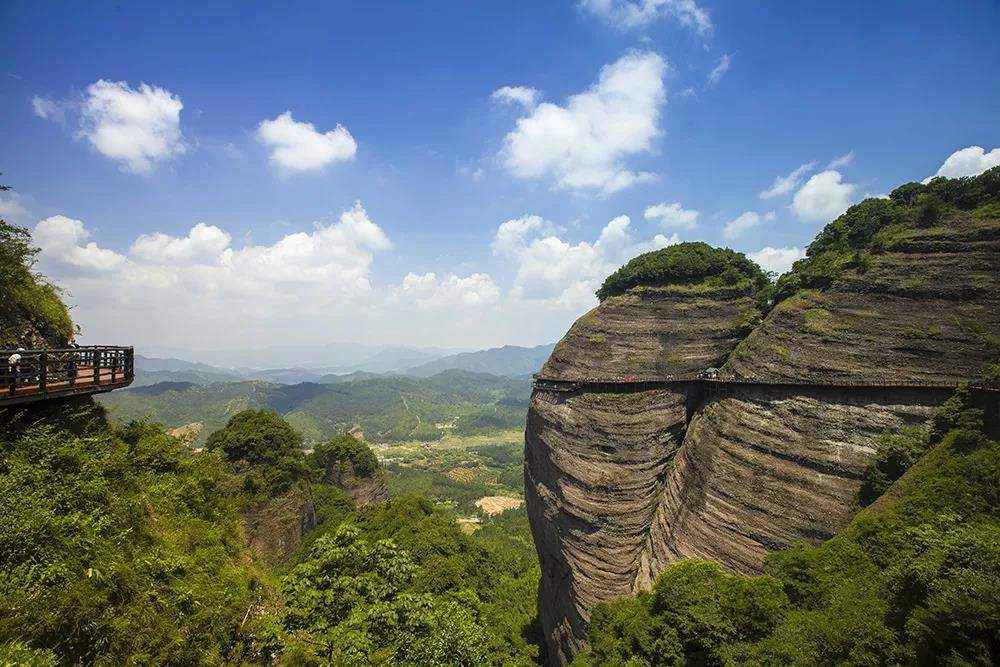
(27, 376)
(716, 385)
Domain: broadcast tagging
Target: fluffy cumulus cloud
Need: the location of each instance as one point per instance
(202, 273)
(203, 289)
(64, 242)
(561, 273)
(778, 260)
(583, 145)
(525, 97)
(970, 161)
(720, 70)
(626, 14)
(782, 185)
(673, 216)
(135, 127)
(451, 291)
(745, 221)
(297, 146)
(203, 245)
(823, 197)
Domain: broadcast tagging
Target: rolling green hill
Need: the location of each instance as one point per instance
(386, 409)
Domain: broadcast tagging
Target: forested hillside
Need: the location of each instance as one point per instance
(385, 409)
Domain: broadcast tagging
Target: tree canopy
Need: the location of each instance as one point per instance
(31, 311)
(266, 443)
(346, 448)
(690, 263)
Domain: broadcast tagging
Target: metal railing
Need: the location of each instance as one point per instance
(32, 374)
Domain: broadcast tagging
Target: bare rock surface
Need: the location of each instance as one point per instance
(652, 332)
(363, 489)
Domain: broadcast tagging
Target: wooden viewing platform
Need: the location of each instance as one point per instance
(33, 375)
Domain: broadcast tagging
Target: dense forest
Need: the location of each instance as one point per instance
(121, 545)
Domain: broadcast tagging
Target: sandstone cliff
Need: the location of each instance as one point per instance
(348, 463)
(618, 485)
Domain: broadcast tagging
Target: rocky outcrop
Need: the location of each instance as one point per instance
(652, 332)
(363, 489)
(597, 463)
(275, 527)
(619, 485)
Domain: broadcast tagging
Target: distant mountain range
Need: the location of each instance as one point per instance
(506, 361)
(329, 358)
(509, 360)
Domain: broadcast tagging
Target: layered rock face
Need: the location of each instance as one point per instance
(619, 485)
(363, 489)
(597, 463)
(276, 526)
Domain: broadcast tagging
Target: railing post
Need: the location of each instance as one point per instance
(43, 363)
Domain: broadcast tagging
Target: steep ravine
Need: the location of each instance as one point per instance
(621, 484)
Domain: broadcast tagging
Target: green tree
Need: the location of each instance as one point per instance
(349, 599)
(266, 444)
(341, 449)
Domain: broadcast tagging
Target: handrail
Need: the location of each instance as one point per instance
(561, 384)
(27, 375)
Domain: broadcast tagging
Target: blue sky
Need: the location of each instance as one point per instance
(312, 234)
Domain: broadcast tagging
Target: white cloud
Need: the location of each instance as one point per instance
(782, 185)
(526, 97)
(735, 228)
(298, 146)
(673, 215)
(136, 127)
(720, 70)
(333, 260)
(11, 208)
(582, 145)
(823, 197)
(970, 161)
(779, 260)
(61, 239)
(561, 273)
(203, 245)
(452, 291)
(49, 109)
(626, 14)
(842, 161)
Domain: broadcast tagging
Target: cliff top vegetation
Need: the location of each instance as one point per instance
(877, 226)
(31, 312)
(688, 264)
